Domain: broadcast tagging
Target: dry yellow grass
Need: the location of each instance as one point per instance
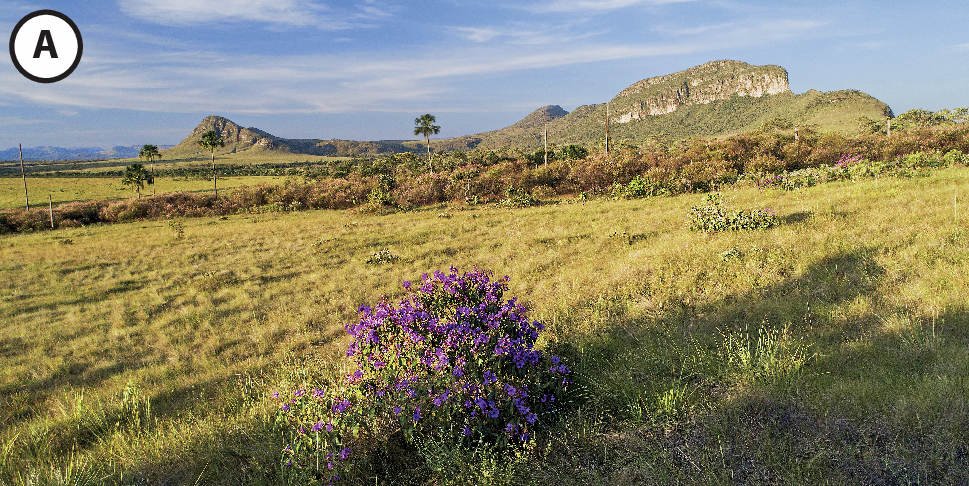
(206, 324)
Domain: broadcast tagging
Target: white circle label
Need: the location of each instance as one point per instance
(46, 46)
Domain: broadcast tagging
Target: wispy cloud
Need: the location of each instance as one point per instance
(284, 12)
(12, 121)
(523, 34)
(595, 5)
(349, 82)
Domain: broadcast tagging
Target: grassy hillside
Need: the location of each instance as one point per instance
(833, 348)
(837, 112)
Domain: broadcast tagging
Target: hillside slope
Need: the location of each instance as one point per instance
(715, 99)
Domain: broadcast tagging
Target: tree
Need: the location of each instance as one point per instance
(210, 140)
(425, 126)
(136, 175)
(574, 152)
(149, 152)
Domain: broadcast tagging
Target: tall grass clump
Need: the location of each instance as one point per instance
(453, 361)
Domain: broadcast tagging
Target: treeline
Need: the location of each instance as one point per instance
(514, 177)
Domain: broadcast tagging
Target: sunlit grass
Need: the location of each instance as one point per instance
(67, 189)
(863, 286)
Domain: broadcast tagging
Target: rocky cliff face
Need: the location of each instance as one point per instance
(718, 80)
(235, 136)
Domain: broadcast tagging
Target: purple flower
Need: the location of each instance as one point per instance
(344, 454)
(318, 427)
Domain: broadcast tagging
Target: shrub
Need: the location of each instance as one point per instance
(574, 152)
(714, 217)
(516, 197)
(640, 187)
(453, 358)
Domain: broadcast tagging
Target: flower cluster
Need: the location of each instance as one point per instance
(454, 353)
(320, 424)
(452, 357)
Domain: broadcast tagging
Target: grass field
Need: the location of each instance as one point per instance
(832, 349)
(67, 189)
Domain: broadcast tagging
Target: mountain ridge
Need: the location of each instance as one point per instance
(718, 98)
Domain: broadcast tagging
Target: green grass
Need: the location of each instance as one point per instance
(67, 189)
(832, 348)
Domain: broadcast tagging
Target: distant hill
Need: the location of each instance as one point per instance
(239, 139)
(719, 98)
(75, 153)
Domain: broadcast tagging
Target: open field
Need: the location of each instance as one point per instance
(140, 354)
(65, 189)
(203, 159)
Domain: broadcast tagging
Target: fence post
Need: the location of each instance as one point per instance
(24, 175)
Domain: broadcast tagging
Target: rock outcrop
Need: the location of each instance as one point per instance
(236, 138)
(717, 80)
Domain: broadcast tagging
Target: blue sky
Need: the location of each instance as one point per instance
(152, 69)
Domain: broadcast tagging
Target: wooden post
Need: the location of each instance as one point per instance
(607, 128)
(889, 133)
(24, 175)
(546, 144)
(215, 177)
(50, 206)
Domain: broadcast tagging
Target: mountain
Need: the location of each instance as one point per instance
(719, 98)
(239, 139)
(75, 153)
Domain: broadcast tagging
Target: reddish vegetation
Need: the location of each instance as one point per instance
(404, 180)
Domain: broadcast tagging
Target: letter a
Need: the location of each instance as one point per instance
(49, 46)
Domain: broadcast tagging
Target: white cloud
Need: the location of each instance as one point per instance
(284, 12)
(12, 121)
(350, 82)
(523, 34)
(595, 5)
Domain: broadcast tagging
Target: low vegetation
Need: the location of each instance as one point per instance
(771, 158)
(829, 348)
(650, 340)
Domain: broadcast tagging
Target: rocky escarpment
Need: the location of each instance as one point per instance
(717, 80)
(236, 138)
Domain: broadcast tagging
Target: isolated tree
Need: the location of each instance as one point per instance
(425, 126)
(136, 175)
(150, 152)
(210, 140)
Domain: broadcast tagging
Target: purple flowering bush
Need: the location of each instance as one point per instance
(455, 353)
(453, 358)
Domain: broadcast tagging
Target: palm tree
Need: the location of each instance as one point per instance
(425, 126)
(149, 152)
(210, 140)
(136, 175)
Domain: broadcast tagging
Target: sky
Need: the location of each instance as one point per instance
(151, 70)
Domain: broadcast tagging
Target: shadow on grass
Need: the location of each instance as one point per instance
(723, 433)
(876, 413)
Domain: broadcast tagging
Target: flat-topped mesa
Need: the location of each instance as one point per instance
(717, 80)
